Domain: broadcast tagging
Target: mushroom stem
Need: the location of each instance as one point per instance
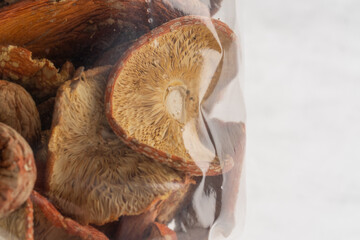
(175, 102)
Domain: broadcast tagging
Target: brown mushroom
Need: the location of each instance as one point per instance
(155, 93)
(38, 76)
(17, 170)
(92, 175)
(49, 224)
(83, 29)
(19, 224)
(18, 110)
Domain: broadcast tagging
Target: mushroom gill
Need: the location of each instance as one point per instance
(155, 94)
(92, 175)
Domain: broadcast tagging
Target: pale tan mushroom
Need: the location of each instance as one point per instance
(92, 175)
(38, 76)
(18, 110)
(155, 94)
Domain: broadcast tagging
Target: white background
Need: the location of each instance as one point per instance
(302, 93)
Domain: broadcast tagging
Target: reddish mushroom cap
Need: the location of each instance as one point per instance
(17, 170)
(51, 224)
(155, 92)
(18, 110)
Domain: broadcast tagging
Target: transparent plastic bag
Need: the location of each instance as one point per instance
(132, 112)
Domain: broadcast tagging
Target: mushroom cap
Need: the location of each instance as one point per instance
(38, 76)
(92, 175)
(49, 223)
(17, 170)
(19, 224)
(18, 110)
(155, 94)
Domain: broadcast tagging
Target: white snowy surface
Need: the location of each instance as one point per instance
(302, 93)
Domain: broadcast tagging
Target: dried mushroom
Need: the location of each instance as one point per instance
(19, 224)
(49, 224)
(92, 175)
(154, 95)
(18, 110)
(38, 76)
(76, 31)
(17, 170)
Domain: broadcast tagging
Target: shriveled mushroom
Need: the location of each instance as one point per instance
(17, 170)
(38, 76)
(62, 30)
(49, 224)
(155, 94)
(19, 224)
(18, 110)
(92, 175)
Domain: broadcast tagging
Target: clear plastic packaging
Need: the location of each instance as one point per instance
(142, 119)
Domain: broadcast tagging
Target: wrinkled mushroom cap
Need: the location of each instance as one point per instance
(92, 175)
(17, 170)
(49, 223)
(18, 110)
(155, 94)
(38, 76)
